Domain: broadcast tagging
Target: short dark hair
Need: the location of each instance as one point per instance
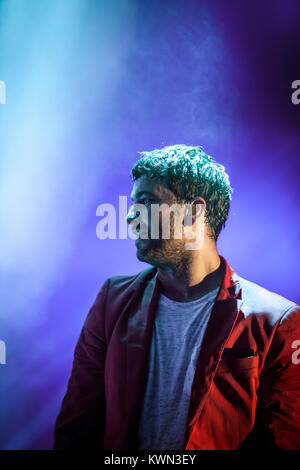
(189, 172)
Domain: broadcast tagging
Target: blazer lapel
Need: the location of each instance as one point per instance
(223, 317)
(140, 327)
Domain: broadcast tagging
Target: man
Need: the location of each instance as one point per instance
(186, 354)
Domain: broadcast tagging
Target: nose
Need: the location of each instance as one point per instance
(132, 214)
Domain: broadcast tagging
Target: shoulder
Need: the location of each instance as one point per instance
(261, 301)
(122, 283)
(117, 290)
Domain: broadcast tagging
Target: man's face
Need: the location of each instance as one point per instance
(160, 250)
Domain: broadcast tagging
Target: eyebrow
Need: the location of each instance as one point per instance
(149, 193)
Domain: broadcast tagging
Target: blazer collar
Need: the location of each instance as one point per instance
(230, 286)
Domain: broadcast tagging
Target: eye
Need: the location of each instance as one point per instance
(146, 201)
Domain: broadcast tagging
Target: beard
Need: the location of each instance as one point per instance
(163, 252)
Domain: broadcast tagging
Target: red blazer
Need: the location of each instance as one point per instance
(246, 389)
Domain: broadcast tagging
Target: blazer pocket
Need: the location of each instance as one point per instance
(236, 364)
(236, 380)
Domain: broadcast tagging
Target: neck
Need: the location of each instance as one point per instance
(201, 274)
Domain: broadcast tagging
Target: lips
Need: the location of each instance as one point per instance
(138, 241)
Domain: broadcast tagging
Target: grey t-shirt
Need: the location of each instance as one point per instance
(177, 334)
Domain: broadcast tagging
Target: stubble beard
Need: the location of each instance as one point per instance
(164, 253)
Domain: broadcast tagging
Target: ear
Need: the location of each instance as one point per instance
(198, 207)
(193, 209)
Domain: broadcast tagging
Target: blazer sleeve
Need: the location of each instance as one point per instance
(80, 423)
(281, 384)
